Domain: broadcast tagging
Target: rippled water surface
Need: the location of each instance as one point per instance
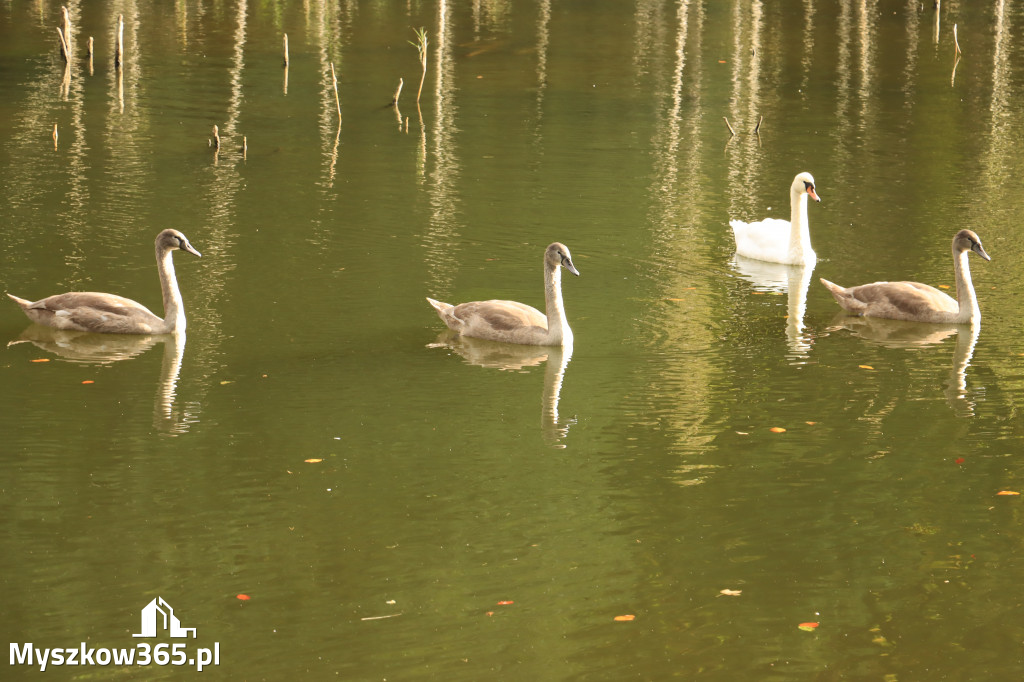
(326, 484)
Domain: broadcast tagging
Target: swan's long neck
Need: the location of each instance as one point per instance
(965, 296)
(558, 328)
(799, 229)
(174, 310)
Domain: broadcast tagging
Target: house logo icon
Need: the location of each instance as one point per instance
(159, 612)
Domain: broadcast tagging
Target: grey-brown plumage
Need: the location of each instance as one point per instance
(514, 322)
(90, 311)
(915, 301)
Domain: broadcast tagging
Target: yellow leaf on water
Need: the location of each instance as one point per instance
(731, 593)
(777, 429)
(626, 617)
(1007, 492)
(865, 366)
(943, 286)
(312, 461)
(41, 360)
(808, 627)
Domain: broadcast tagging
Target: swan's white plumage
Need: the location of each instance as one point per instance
(781, 241)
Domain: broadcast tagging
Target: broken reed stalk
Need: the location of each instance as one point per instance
(245, 147)
(729, 125)
(66, 38)
(286, 49)
(54, 137)
(421, 48)
(64, 51)
(119, 45)
(757, 128)
(337, 100)
(956, 43)
(216, 139)
(398, 92)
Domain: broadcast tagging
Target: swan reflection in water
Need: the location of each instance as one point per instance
(507, 356)
(792, 280)
(911, 335)
(105, 349)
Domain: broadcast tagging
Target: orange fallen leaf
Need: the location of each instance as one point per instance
(312, 461)
(865, 366)
(808, 627)
(943, 286)
(88, 381)
(41, 360)
(777, 429)
(626, 617)
(505, 602)
(243, 597)
(1007, 492)
(490, 613)
(731, 593)
(810, 423)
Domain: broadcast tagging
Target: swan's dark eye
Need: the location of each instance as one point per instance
(808, 186)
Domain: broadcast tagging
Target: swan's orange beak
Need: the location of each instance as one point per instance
(813, 194)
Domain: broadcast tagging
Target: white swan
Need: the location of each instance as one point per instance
(513, 322)
(781, 241)
(919, 302)
(98, 312)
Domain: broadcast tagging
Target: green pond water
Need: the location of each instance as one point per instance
(326, 485)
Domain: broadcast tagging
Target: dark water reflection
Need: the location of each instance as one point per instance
(717, 425)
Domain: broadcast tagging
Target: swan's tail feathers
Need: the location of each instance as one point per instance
(440, 307)
(844, 298)
(20, 301)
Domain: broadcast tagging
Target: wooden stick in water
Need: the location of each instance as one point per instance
(757, 128)
(66, 39)
(119, 45)
(398, 92)
(337, 100)
(216, 138)
(733, 132)
(956, 43)
(54, 137)
(245, 147)
(63, 45)
(286, 49)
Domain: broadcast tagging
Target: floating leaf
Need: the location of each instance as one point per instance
(1007, 492)
(808, 627)
(312, 461)
(41, 360)
(225, 383)
(731, 593)
(959, 460)
(865, 366)
(626, 617)
(810, 423)
(88, 381)
(505, 602)
(777, 429)
(243, 597)
(943, 286)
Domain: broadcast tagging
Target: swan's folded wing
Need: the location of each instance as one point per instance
(499, 315)
(910, 298)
